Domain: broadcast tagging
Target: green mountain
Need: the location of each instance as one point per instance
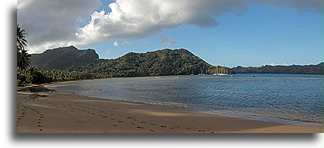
(292, 69)
(64, 58)
(156, 63)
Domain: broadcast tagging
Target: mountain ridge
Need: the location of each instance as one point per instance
(64, 57)
(154, 63)
(282, 69)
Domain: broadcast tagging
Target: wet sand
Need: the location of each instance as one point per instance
(57, 112)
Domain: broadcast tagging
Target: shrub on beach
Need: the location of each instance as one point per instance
(22, 79)
(32, 75)
(37, 77)
(19, 82)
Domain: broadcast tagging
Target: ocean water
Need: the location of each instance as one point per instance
(283, 98)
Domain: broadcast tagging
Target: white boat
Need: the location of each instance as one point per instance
(220, 74)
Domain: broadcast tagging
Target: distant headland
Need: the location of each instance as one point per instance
(282, 69)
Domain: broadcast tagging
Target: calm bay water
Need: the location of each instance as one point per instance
(284, 98)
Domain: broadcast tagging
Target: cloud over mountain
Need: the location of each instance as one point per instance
(52, 23)
(57, 23)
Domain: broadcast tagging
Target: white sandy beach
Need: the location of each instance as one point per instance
(57, 112)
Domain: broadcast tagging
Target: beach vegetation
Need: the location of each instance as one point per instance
(26, 74)
(23, 58)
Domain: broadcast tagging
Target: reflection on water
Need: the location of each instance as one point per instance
(285, 96)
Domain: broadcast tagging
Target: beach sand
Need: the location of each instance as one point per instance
(58, 112)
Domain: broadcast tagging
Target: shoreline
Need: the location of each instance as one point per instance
(271, 119)
(58, 112)
(240, 115)
(79, 80)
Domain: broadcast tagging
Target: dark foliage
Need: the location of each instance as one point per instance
(65, 58)
(293, 69)
(38, 77)
(23, 58)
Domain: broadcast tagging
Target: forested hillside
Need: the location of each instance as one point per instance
(71, 63)
(293, 69)
(64, 58)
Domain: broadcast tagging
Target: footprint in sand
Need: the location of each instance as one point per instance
(163, 126)
(201, 130)
(39, 122)
(140, 127)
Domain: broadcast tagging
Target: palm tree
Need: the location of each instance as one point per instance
(23, 58)
(21, 41)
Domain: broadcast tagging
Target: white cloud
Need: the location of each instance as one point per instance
(166, 41)
(119, 43)
(52, 23)
(116, 44)
(134, 19)
(107, 53)
(273, 64)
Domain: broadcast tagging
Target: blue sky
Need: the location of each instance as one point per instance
(224, 32)
(262, 35)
